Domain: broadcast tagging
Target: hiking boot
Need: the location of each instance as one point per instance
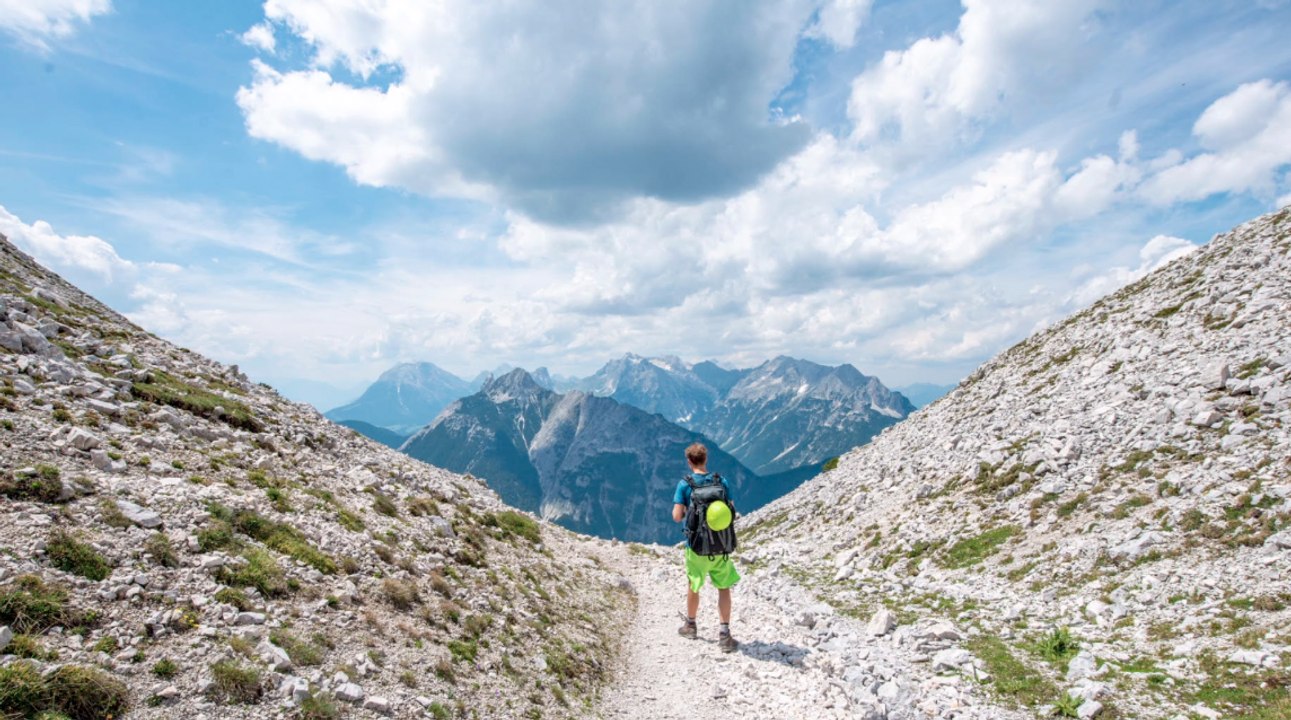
(688, 630)
(727, 643)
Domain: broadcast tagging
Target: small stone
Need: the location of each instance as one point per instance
(139, 515)
(1084, 665)
(6, 637)
(1215, 376)
(881, 623)
(1280, 540)
(377, 704)
(951, 659)
(249, 618)
(1247, 657)
(1089, 709)
(350, 692)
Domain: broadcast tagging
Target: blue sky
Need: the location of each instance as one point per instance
(319, 189)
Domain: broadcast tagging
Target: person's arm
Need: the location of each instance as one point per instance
(678, 512)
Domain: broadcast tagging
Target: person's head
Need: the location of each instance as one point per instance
(697, 455)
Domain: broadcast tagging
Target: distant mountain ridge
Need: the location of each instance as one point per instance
(405, 397)
(591, 463)
(783, 414)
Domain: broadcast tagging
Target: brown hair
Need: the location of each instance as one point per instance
(697, 455)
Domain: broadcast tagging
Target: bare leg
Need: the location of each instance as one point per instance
(692, 602)
(723, 604)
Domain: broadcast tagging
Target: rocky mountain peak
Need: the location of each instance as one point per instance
(515, 385)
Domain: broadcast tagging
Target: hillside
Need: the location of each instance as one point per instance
(178, 541)
(1098, 516)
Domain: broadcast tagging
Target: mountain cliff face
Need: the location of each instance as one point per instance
(664, 385)
(178, 541)
(1104, 510)
(590, 463)
(405, 398)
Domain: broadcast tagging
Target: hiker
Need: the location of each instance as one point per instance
(713, 541)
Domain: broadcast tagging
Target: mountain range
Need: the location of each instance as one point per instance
(405, 397)
(591, 463)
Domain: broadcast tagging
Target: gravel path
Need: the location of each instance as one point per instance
(798, 659)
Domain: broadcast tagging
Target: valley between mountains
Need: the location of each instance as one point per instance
(1096, 523)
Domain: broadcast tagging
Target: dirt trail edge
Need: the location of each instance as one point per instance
(798, 658)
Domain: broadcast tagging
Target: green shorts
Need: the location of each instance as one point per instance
(720, 568)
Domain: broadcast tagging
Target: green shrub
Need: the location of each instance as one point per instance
(71, 555)
(423, 506)
(973, 550)
(23, 691)
(302, 653)
(279, 536)
(261, 572)
(464, 650)
(515, 523)
(107, 644)
(234, 597)
(26, 646)
(1058, 647)
(382, 503)
(402, 594)
(44, 486)
(830, 464)
(84, 693)
(165, 668)
(112, 514)
(1069, 705)
(163, 553)
(30, 606)
(236, 683)
(165, 389)
(319, 706)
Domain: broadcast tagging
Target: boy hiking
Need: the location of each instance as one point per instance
(703, 502)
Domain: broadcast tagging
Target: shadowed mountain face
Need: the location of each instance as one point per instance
(405, 397)
(592, 464)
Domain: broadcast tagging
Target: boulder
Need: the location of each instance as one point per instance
(1213, 377)
(951, 659)
(139, 515)
(350, 692)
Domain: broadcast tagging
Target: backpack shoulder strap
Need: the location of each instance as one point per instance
(690, 480)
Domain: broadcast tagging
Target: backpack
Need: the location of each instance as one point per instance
(702, 539)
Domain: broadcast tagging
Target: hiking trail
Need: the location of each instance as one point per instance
(797, 657)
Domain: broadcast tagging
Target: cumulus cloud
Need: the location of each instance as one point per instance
(259, 37)
(64, 252)
(838, 20)
(1247, 134)
(1155, 254)
(934, 91)
(563, 110)
(35, 22)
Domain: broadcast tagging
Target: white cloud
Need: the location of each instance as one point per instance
(838, 21)
(64, 252)
(563, 110)
(1248, 134)
(259, 37)
(176, 223)
(36, 21)
(933, 92)
(1155, 254)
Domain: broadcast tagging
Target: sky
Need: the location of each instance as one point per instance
(317, 190)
